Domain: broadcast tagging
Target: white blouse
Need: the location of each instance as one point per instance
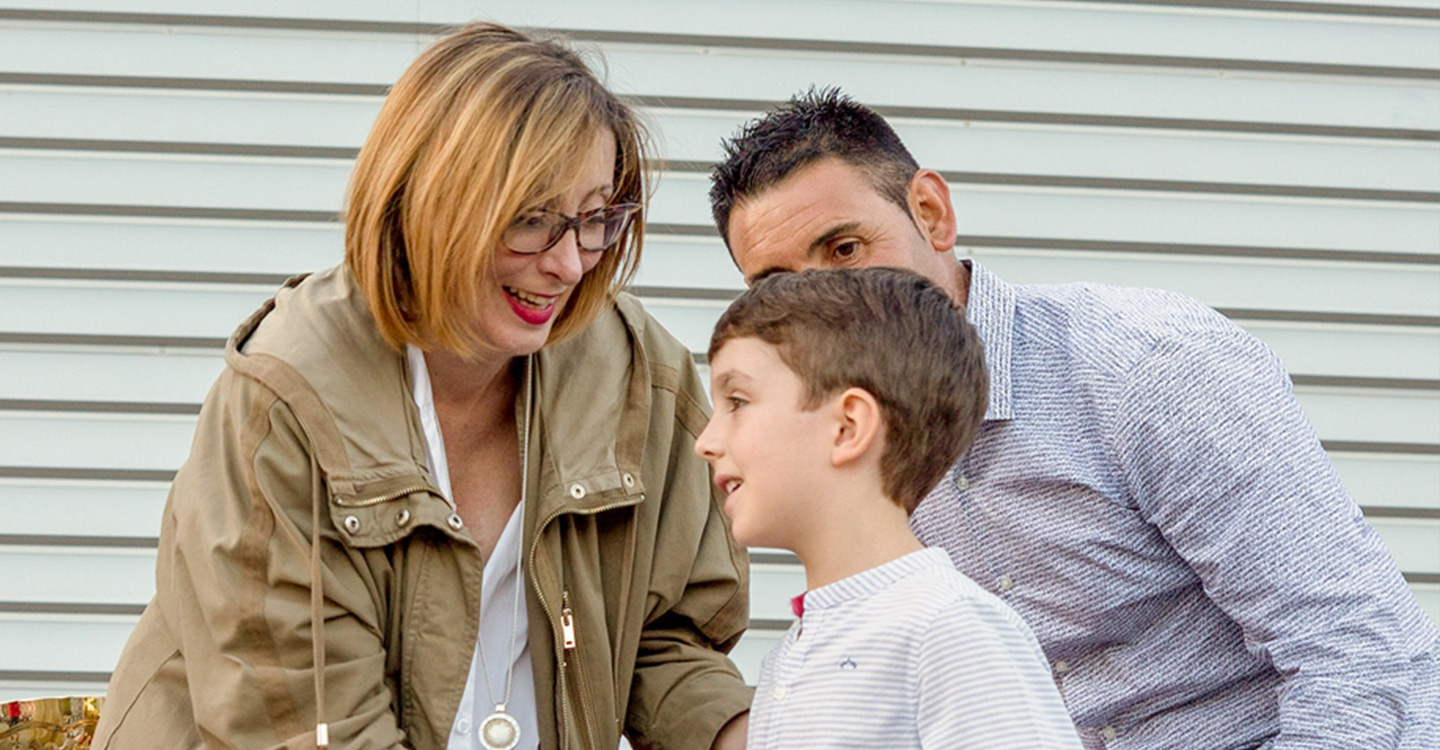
(497, 601)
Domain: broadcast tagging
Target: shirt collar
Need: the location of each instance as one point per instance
(867, 582)
(991, 309)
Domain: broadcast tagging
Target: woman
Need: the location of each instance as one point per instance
(445, 495)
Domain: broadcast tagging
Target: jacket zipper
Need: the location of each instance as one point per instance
(550, 614)
(582, 684)
(387, 497)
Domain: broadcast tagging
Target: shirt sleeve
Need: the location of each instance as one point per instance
(1220, 458)
(983, 683)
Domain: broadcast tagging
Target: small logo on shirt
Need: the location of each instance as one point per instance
(849, 664)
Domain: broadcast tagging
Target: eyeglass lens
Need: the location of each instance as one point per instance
(539, 230)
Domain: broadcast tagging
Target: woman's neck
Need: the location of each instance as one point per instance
(483, 390)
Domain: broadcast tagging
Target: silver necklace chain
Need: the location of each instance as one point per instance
(519, 575)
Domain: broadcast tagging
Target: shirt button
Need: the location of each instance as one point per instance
(1109, 733)
(962, 483)
(1062, 666)
(1006, 583)
(780, 692)
(463, 726)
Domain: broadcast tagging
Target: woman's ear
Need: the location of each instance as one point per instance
(859, 427)
(929, 197)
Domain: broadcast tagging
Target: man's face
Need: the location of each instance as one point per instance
(827, 215)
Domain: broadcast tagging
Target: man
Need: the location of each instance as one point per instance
(1145, 490)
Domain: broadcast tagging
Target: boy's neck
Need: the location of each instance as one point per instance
(854, 542)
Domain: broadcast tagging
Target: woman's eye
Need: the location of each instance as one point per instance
(736, 402)
(530, 220)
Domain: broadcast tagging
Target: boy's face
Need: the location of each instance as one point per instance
(769, 454)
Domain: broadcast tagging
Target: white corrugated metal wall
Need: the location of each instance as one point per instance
(164, 163)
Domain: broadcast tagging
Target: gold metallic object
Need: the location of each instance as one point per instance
(49, 723)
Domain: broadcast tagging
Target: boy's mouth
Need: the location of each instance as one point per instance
(728, 484)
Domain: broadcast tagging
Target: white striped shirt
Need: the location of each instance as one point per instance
(909, 654)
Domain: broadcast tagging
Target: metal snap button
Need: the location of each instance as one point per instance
(403, 517)
(577, 491)
(454, 521)
(628, 479)
(352, 524)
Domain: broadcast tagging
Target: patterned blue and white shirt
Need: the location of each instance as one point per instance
(1147, 494)
(909, 655)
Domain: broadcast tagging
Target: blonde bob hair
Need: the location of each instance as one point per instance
(485, 124)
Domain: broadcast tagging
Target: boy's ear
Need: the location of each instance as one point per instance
(858, 426)
(929, 198)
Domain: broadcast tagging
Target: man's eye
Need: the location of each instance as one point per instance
(845, 250)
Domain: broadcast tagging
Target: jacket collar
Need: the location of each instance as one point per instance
(991, 309)
(316, 344)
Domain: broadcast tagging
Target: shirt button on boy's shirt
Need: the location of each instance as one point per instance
(1006, 583)
(780, 692)
(1109, 733)
(962, 483)
(1062, 666)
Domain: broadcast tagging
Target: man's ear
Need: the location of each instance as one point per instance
(859, 426)
(930, 205)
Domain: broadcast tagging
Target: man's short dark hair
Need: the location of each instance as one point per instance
(818, 124)
(886, 330)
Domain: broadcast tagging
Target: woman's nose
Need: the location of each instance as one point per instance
(563, 260)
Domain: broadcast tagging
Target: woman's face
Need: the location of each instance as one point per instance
(528, 291)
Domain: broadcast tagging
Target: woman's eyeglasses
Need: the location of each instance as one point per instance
(538, 230)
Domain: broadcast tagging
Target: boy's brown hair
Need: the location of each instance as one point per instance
(890, 332)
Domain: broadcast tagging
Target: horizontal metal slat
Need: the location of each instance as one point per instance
(334, 126)
(268, 188)
(655, 70)
(1187, 30)
(42, 312)
(1402, 422)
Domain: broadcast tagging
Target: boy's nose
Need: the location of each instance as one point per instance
(707, 446)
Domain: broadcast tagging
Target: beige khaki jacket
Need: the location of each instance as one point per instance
(313, 419)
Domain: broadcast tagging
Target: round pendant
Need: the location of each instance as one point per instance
(499, 731)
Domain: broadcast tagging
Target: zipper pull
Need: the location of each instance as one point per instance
(567, 622)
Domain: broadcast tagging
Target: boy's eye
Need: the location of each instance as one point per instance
(736, 402)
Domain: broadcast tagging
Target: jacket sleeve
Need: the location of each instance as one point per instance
(1221, 459)
(234, 580)
(685, 688)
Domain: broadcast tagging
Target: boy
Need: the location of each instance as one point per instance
(841, 397)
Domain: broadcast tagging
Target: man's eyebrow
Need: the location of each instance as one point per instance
(816, 246)
(830, 234)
